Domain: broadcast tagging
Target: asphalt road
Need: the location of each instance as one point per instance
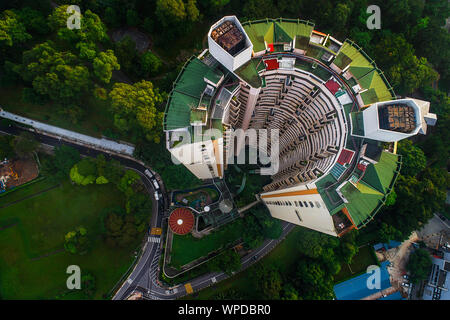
(144, 276)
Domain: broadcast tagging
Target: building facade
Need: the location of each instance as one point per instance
(334, 116)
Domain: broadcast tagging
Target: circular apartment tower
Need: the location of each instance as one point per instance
(319, 107)
(181, 221)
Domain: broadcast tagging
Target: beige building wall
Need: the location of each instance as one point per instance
(311, 213)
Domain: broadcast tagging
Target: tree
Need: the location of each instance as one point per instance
(6, 148)
(92, 28)
(150, 64)
(176, 16)
(25, 145)
(127, 181)
(77, 241)
(268, 281)
(59, 165)
(88, 285)
(121, 229)
(271, 228)
(12, 31)
(312, 282)
(56, 74)
(84, 172)
(137, 104)
(252, 235)
(33, 20)
(387, 233)
(406, 71)
(126, 53)
(104, 65)
(413, 158)
(111, 18)
(228, 262)
(132, 18)
(419, 265)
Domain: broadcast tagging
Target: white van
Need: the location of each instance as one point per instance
(147, 172)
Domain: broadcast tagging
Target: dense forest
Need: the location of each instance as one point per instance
(65, 73)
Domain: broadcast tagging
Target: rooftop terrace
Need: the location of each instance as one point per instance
(397, 117)
(229, 37)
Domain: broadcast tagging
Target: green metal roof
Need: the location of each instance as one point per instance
(370, 192)
(276, 30)
(214, 75)
(380, 175)
(249, 72)
(360, 202)
(186, 93)
(366, 72)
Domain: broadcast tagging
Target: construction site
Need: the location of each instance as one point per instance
(14, 173)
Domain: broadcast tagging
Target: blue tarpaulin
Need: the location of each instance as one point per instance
(356, 288)
(387, 246)
(394, 296)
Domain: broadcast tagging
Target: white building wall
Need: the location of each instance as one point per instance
(221, 55)
(317, 218)
(372, 123)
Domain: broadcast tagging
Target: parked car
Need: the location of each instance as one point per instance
(405, 276)
(148, 173)
(155, 183)
(405, 284)
(156, 195)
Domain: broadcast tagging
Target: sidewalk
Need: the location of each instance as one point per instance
(102, 143)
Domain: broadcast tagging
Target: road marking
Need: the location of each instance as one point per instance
(189, 289)
(156, 231)
(154, 239)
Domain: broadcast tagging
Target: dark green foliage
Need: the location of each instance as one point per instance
(132, 18)
(419, 265)
(59, 166)
(88, 285)
(413, 158)
(77, 241)
(25, 144)
(313, 281)
(6, 147)
(268, 282)
(228, 262)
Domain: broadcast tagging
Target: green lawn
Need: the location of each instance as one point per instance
(282, 256)
(187, 248)
(242, 282)
(360, 262)
(42, 222)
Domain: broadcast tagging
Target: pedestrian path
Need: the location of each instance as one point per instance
(102, 143)
(154, 239)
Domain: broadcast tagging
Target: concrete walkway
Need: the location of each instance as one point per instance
(102, 143)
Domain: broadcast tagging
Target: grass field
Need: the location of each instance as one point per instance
(360, 262)
(282, 256)
(187, 248)
(242, 282)
(32, 260)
